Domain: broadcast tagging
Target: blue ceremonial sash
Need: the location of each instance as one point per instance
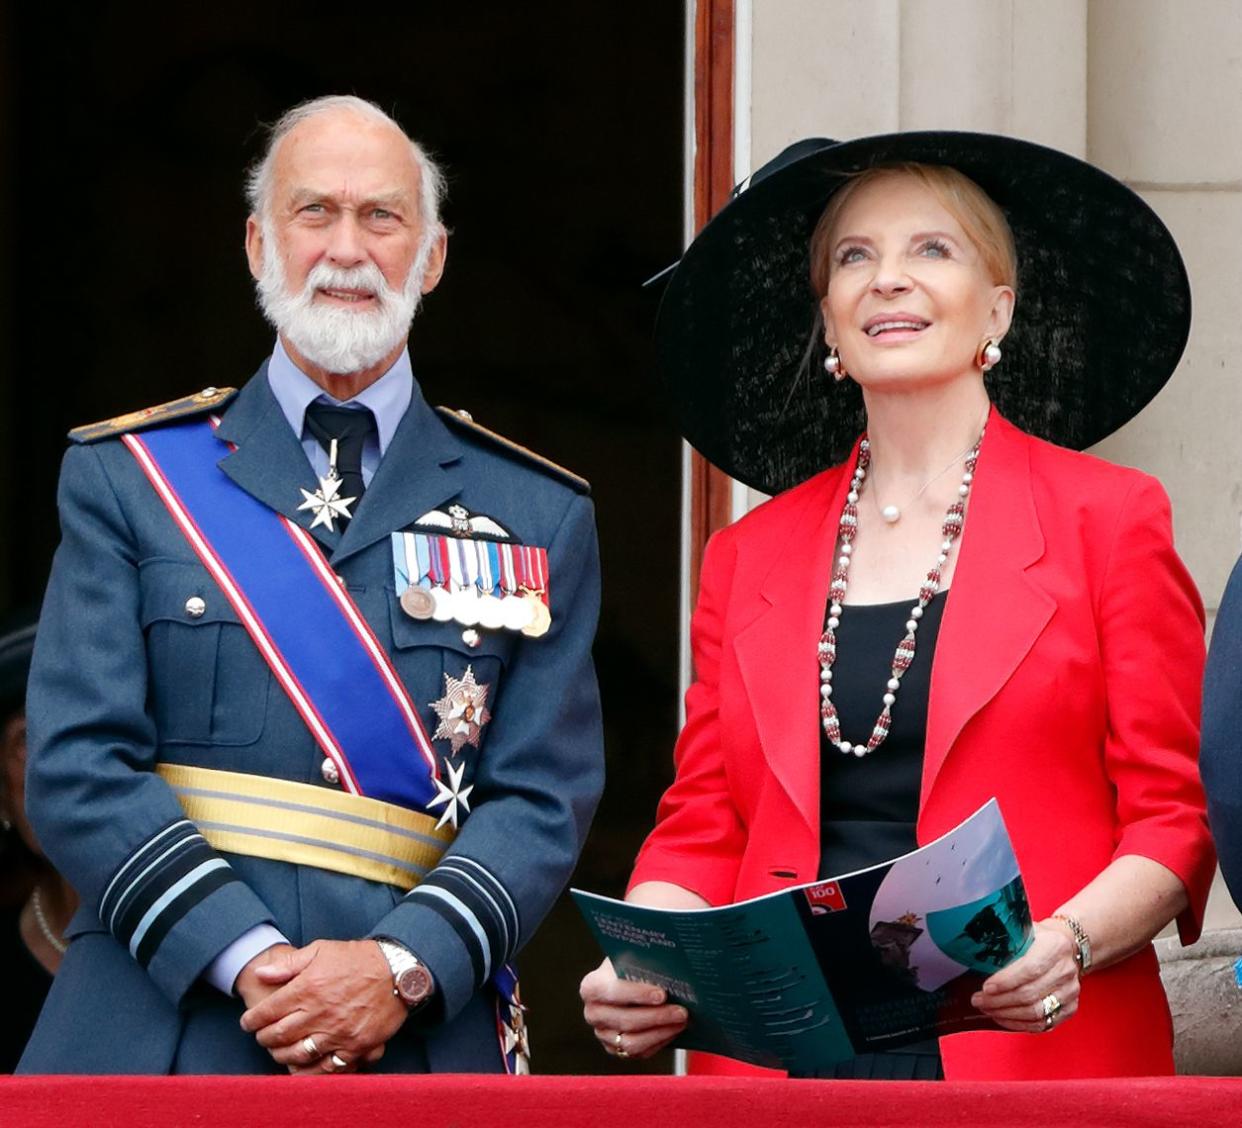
(309, 631)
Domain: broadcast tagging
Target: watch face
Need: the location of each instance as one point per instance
(414, 985)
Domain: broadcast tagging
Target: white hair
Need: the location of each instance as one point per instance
(431, 181)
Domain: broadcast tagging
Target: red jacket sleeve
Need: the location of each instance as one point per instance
(1151, 642)
(699, 836)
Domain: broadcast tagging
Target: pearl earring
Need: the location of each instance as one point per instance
(833, 366)
(989, 355)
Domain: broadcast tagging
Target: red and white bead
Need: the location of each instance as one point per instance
(826, 651)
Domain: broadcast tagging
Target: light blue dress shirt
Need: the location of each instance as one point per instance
(387, 400)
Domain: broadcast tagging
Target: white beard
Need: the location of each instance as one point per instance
(338, 339)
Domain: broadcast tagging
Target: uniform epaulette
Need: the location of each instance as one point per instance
(207, 400)
(465, 421)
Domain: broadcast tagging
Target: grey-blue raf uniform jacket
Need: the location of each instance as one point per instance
(124, 678)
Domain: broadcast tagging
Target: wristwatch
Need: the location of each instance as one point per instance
(411, 981)
(1082, 942)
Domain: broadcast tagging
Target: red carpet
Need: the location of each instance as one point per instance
(639, 1102)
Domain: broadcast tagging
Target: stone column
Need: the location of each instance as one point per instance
(1164, 92)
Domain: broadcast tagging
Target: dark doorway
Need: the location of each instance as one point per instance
(561, 127)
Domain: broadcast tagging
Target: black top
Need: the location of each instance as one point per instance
(869, 804)
(26, 983)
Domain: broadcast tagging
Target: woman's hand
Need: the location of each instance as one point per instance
(1014, 997)
(630, 1019)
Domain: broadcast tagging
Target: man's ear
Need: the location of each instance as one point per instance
(436, 259)
(254, 246)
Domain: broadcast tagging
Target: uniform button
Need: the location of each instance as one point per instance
(210, 393)
(328, 770)
(471, 637)
(195, 607)
(464, 414)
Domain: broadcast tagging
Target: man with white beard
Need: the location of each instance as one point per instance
(313, 725)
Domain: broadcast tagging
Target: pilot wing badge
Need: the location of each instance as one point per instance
(458, 521)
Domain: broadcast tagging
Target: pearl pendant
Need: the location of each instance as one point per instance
(891, 514)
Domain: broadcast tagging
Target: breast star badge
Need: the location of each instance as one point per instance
(462, 711)
(454, 797)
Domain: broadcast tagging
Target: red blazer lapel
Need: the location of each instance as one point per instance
(995, 611)
(776, 651)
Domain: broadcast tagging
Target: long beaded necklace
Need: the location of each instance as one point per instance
(951, 529)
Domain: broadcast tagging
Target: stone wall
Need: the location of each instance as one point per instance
(1148, 89)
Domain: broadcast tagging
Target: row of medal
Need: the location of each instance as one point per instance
(473, 582)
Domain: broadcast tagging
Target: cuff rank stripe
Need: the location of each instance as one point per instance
(159, 883)
(496, 893)
(462, 921)
(477, 906)
(194, 888)
(132, 870)
(481, 917)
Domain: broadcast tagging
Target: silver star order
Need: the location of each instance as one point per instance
(327, 506)
(453, 795)
(462, 711)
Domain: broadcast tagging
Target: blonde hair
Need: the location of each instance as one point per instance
(980, 216)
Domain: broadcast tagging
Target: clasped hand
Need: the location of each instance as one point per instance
(336, 993)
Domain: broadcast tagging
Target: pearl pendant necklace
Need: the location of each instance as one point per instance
(892, 513)
(847, 530)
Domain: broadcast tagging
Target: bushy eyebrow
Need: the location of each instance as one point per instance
(396, 200)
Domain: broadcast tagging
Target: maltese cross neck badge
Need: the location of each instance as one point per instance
(462, 711)
(325, 503)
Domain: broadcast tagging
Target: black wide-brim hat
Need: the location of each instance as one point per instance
(1101, 320)
(17, 635)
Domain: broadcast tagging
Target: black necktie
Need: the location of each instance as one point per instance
(349, 427)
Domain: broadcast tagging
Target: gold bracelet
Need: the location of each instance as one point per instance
(1082, 942)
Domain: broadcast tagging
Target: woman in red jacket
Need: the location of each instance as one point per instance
(956, 609)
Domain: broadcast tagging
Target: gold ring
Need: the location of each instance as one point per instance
(337, 1061)
(308, 1044)
(1051, 1005)
(618, 1045)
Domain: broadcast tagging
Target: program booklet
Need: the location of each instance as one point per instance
(813, 975)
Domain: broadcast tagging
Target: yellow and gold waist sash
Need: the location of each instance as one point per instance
(308, 825)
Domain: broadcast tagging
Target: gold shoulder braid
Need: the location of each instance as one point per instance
(465, 421)
(209, 399)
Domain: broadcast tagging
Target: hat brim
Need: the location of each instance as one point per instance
(1102, 314)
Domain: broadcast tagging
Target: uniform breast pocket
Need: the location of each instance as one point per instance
(454, 686)
(207, 683)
